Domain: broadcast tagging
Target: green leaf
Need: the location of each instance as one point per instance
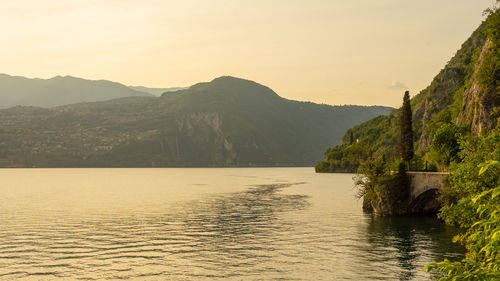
(494, 236)
(496, 192)
(484, 193)
(487, 165)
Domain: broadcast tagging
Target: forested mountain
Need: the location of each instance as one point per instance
(465, 93)
(225, 122)
(17, 90)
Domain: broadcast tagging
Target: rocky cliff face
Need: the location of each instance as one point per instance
(438, 96)
(479, 100)
(441, 93)
(197, 126)
(197, 137)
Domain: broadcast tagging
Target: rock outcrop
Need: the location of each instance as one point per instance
(479, 100)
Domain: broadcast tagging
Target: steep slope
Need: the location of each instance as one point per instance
(16, 90)
(465, 93)
(225, 122)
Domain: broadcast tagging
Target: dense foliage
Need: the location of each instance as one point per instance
(472, 202)
(446, 142)
(383, 192)
(373, 138)
(490, 72)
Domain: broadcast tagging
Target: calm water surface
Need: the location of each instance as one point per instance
(204, 224)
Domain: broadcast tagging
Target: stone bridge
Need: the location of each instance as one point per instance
(423, 191)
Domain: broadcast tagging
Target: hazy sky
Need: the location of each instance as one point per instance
(326, 51)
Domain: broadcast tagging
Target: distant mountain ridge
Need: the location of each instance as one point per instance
(59, 90)
(226, 122)
(156, 91)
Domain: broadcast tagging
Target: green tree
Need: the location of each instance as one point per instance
(405, 136)
(482, 239)
(471, 202)
(446, 142)
(383, 192)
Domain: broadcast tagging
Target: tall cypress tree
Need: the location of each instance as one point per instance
(405, 138)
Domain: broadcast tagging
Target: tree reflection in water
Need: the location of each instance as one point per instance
(412, 239)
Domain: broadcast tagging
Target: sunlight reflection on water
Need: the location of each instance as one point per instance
(204, 224)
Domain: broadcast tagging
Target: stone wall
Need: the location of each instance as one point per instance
(421, 182)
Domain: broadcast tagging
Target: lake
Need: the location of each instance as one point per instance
(205, 224)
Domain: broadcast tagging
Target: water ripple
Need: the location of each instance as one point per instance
(265, 232)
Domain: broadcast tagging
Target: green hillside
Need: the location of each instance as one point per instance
(465, 93)
(225, 122)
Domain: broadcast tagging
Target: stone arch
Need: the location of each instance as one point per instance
(421, 182)
(426, 202)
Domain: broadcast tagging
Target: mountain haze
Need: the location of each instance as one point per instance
(60, 90)
(225, 122)
(156, 91)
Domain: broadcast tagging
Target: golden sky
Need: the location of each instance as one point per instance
(326, 51)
